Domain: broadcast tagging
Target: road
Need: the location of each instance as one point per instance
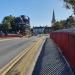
(11, 48)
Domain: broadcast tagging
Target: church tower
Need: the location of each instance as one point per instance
(53, 19)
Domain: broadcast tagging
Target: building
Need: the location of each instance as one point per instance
(38, 30)
(47, 30)
(41, 30)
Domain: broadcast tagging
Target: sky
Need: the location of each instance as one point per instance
(39, 11)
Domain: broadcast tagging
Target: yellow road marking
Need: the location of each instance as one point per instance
(28, 53)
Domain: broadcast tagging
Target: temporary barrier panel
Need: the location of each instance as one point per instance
(66, 42)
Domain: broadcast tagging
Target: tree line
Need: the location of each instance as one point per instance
(68, 23)
(12, 24)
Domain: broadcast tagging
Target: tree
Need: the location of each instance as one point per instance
(69, 22)
(8, 23)
(70, 4)
(58, 25)
(22, 24)
(15, 24)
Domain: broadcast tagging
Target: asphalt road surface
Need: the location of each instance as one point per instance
(11, 48)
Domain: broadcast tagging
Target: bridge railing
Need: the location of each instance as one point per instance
(66, 42)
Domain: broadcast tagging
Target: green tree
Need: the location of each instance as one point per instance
(58, 25)
(7, 22)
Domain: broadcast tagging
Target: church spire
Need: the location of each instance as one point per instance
(53, 18)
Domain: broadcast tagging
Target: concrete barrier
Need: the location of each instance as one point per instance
(23, 64)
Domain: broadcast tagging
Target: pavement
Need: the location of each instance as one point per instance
(10, 48)
(51, 61)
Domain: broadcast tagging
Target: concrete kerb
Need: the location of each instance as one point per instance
(36, 58)
(7, 39)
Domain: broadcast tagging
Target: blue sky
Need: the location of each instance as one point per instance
(39, 11)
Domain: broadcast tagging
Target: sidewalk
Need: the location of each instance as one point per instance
(51, 62)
